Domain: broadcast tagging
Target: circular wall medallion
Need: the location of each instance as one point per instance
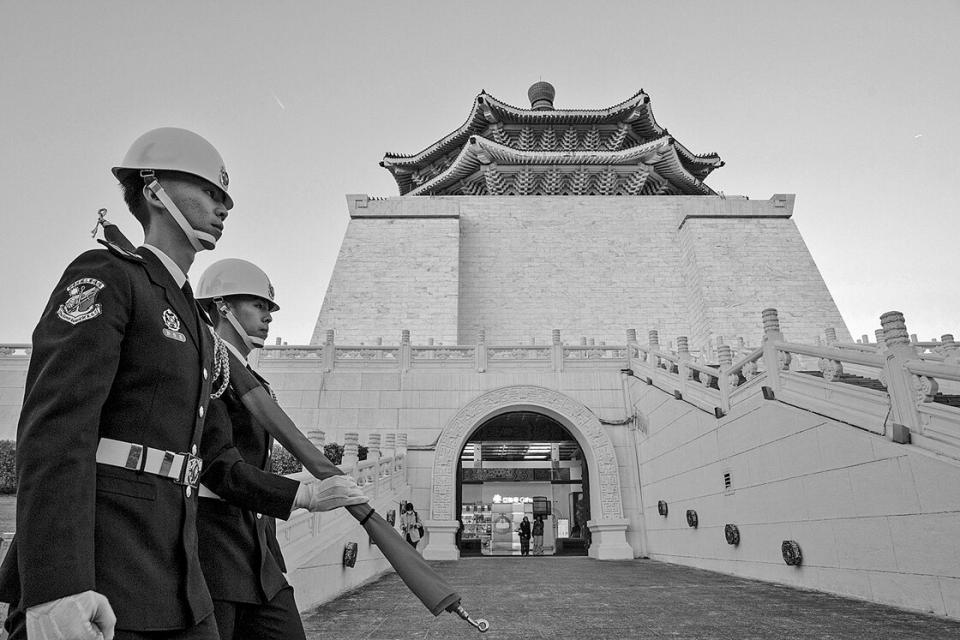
(732, 534)
(791, 553)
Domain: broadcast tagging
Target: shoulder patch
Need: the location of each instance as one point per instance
(81, 303)
(120, 251)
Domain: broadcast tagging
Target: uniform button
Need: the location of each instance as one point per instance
(193, 449)
(259, 515)
(204, 373)
(200, 411)
(189, 491)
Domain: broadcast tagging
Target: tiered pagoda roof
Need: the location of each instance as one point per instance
(505, 150)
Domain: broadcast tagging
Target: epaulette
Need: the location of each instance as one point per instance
(120, 251)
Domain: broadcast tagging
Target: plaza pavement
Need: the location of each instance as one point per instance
(533, 598)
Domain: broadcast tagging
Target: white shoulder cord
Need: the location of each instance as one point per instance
(221, 364)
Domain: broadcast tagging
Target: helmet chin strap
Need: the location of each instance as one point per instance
(250, 342)
(199, 240)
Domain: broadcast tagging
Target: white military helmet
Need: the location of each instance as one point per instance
(235, 277)
(173, 149)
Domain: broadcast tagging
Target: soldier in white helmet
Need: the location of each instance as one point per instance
(239, 496)
(116, 397)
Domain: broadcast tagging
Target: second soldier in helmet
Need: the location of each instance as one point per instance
(239, 496)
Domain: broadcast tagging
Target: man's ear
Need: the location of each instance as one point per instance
(151, 199)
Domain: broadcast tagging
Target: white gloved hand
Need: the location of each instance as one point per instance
(82, 616)
(329, 494)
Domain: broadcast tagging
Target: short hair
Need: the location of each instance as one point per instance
(131, 184)
(210, 307)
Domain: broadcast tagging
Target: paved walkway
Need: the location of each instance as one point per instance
(534, 598)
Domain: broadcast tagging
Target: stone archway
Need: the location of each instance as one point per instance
(606, 503)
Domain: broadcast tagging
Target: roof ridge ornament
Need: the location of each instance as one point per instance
(541, 96)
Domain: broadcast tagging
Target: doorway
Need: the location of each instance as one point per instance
(522, 464)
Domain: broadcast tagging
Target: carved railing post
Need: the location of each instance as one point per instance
(631, 340)
(556, 350)
(684, 373)
(832, 370)
(400, 457)
(351, 451)
(900, 386)
(373, 446)
(389, 445)
(773, 361)
(653, 340)
(951, 350)
(329, 352)
(405, 350)
(373, 455)
(727, 381)
(481, 353)
(683, 357)
(317, 438)
(881, 343)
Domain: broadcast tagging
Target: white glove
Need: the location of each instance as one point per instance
(82, 616)
(326, 495)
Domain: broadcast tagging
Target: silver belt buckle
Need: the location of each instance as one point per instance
(190, 472)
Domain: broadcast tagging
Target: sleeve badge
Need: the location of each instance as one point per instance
(81, 303)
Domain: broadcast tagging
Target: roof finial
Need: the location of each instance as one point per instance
(541, 95)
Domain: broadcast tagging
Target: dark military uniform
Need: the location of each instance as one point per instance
(119, 353)
(239, 551)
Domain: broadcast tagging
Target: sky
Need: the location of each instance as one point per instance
(850, 105)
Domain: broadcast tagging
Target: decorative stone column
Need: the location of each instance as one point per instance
(631, 336)
(351, 450)
(881, 342)
(726, 361)
(373, 446)
(317, 438)
(683, 355)
(902, 389)
(951, 350)
(774, 361)
(389, 445)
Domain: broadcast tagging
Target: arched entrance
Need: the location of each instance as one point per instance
(523, 464)
(608, 526)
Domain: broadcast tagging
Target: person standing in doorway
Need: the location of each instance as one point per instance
(524, 531)
(538, 535)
